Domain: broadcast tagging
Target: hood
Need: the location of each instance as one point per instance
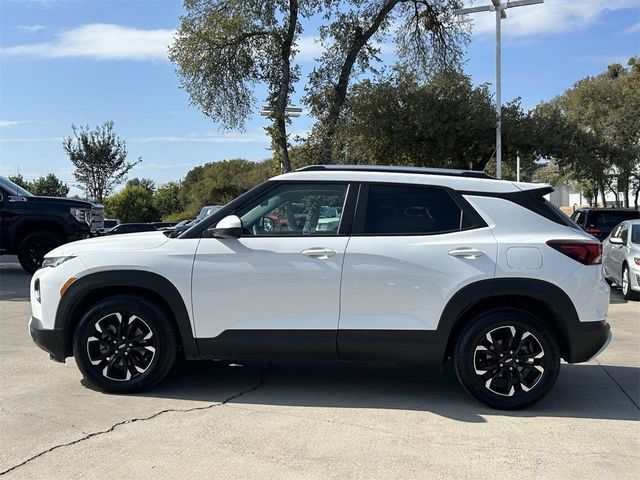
(112, 243)
(71, 202)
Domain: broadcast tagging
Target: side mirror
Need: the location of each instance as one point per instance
(229, 227)
(616, 240)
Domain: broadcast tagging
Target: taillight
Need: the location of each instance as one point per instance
(593, 230)
(586, 252)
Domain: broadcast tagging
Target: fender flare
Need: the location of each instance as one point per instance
(139, 280)
(566, 318)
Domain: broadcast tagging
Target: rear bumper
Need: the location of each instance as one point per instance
(51, 341)
(587, 340)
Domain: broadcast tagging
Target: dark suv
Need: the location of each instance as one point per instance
(31, 226)
(599, 222)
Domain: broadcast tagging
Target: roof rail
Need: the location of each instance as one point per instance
(396, 169)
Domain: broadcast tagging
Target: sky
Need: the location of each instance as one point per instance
(83, 62)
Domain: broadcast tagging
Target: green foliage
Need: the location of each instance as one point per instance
(166, 200)
(134, 203)
(592, 130)
(47, 186)
(50, 186)
(444, 122)
(99, 158)
(220, 182)
(20, 181)
(224, 48)
(428, 37)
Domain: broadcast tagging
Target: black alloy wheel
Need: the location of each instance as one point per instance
(507, 359)
(125, 343)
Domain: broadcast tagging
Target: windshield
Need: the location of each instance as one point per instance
(635, 234)
(12, 188)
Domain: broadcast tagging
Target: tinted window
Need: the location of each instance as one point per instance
(624, 234)
(579, 218)
(635, 234)
(611, 219)
(295, 209)
(398, 209)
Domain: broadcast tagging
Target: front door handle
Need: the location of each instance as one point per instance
(321, 253)
(468, 253)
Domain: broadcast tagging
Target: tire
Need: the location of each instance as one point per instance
(32, 249)
(524, 375)
(628, 293)
(135, 363)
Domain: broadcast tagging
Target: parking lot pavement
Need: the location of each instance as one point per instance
(213, 420)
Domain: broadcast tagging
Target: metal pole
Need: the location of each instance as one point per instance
(498, 93)
(518, 167)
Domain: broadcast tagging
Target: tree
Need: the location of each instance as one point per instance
(20, 181)
(50, 186)
(131, 204)
(444, 122)
(220, 182)
(427, 36)
(223, 48)
(166, 199)
(592, 130)
(100, 159)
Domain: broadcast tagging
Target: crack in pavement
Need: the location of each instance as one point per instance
(618, 384)
(258, 384)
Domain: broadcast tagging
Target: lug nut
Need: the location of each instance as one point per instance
(502, 364)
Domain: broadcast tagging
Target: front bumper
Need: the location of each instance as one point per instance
(587, 340)
(51, 341)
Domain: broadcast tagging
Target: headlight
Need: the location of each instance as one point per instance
(82, 215)
(55, 261)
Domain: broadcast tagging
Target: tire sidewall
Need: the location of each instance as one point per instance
(157, 321)
(22, 251)
(478, 328)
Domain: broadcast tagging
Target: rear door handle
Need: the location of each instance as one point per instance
(469, 253)
(319, 252)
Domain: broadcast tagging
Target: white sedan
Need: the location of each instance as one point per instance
(621, 258)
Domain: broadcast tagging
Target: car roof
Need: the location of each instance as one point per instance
(462, 180)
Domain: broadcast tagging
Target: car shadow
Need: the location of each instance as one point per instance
(14, 282)
(616, 297)
(582, 391)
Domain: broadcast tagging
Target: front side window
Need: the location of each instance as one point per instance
(411, 210)
(624, 233)
(295, 210)
(635, 234)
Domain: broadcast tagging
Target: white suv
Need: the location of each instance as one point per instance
(422, 266)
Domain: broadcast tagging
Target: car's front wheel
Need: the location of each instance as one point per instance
(507, 359)
(124, 344)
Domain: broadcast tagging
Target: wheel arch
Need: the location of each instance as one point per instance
(24, 226)
(546, 301)
(90, 289)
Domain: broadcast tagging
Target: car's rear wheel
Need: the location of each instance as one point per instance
(34, 247)
(124, 344)
(507, 359)
(628, 293)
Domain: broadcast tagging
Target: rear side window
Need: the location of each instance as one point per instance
(609, 219)
(412, 210)
(579, 218)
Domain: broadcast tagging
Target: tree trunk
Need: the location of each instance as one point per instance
(339, 93)
(635, 200)
(279, 132)
(603, 194)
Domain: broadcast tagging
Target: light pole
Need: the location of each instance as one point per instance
(500, 8)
